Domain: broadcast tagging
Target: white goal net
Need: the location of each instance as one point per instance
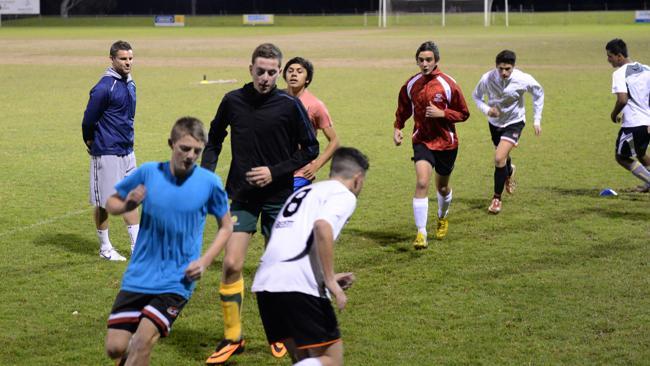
(434, 12)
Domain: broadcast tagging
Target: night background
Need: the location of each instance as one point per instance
(208, 7)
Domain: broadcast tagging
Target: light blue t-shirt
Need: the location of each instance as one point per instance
(171, 226)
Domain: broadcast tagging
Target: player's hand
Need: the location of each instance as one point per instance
(434, 112)
(135, 197)
(494, 112)
(89, 144)
(615, 118)
(259, 176)
(194, 270)
(398, 137)
(538, 130)
(345, 280)
(310, 171)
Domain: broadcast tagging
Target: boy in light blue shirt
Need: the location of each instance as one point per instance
(176, 197)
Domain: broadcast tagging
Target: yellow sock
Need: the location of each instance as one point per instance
(232, 296)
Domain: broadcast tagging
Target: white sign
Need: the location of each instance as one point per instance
(169, 20)
(642, 16)
(255, 19)
(20, 6)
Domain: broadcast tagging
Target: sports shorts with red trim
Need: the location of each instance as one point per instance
(510, 133)
(632, 142)
(441, 160)
(130, 307)
(308, 319)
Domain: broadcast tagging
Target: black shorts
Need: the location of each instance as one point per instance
(308, 319)
(632, 141)
(245, 215)
(441, 160)
(130, 307)
(510, 133)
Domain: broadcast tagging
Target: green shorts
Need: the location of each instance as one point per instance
(245, 214)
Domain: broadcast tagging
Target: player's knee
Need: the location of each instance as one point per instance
(232, 266)
(500, 161)
(115, 350)
(422, 184)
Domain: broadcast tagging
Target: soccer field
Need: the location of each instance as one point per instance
(561, 276)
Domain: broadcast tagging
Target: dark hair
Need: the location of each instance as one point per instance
(506, 57)
(306, 64)
(429, 46)
(616, 47)
(267, 50)
(188, 126)
(347, 162)
(119, 46)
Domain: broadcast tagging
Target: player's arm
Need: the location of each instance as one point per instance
(116, 205)
(402, 114)
(324, 240)
(216, 136)
(195, 270)
(621, 102)
(536, 90)
(97, 104)
(457, 110)
(479, 94)
(324, 122)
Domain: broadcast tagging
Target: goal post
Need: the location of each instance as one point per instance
(434, 12)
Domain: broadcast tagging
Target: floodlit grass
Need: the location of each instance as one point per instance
(560, 277)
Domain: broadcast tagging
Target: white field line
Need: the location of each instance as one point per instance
(44, 222)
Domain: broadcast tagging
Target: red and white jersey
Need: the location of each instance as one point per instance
(414, 97)
(290, 262)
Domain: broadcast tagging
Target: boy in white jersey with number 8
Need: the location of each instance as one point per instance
(296, 275)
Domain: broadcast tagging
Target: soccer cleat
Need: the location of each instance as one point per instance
(278, 350)
(224, 350)
(442, 228)
(511, 183)
(420, 241)
(495, 206)
(111, 255)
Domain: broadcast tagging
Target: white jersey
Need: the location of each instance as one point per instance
(290, 262)
(508, 96)
(634, 79)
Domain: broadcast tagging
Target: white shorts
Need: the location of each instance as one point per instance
(105, 172)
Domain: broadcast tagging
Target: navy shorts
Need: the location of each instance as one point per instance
(441, 160)
(130, 307)
(309, 320)
(632, 141)
(510, 133)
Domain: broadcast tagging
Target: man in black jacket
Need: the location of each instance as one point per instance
(271, 137)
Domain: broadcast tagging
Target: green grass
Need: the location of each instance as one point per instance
(560, 277)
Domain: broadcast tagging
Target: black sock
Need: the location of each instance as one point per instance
(500, 175)
(509, 166)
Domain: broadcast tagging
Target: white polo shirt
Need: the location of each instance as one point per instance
(634, 79)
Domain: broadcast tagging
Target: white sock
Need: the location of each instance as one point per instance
(420, 213)
(133, 234)
(443, 204)
(309, 362)
(104, 242)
